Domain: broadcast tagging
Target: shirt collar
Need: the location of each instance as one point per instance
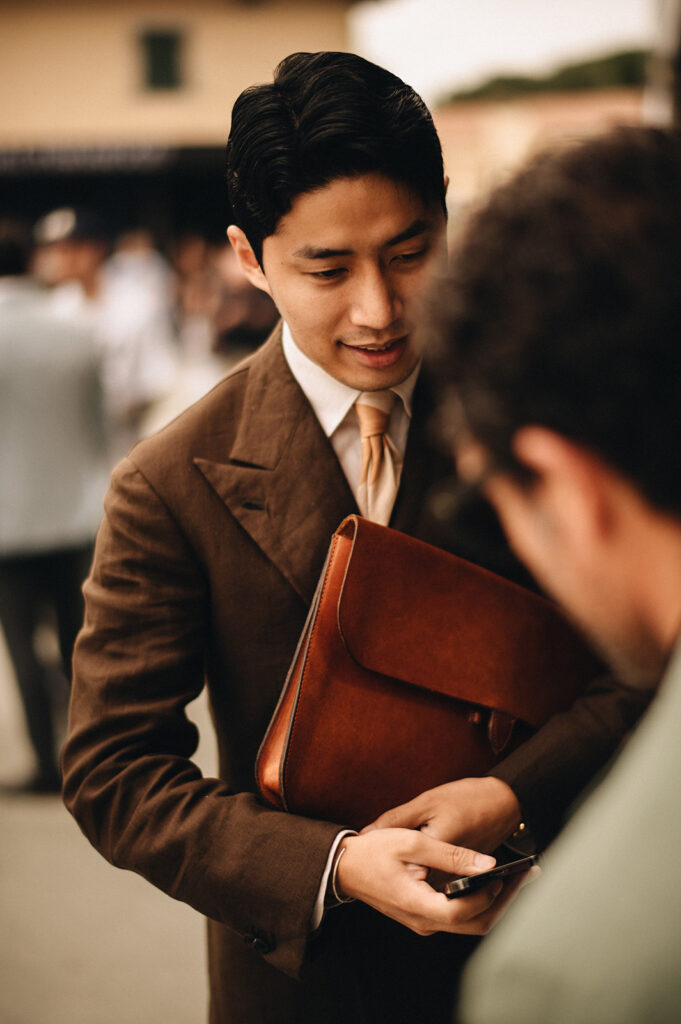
(330, 399)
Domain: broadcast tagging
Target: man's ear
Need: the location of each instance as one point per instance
(248, 261)
(563, 514)
(576, 484)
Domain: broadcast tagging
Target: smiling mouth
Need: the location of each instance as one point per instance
(385, 347)
(375, 356)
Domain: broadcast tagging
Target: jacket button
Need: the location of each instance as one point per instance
(259, 943)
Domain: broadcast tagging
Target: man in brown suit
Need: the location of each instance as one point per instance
(214, 536)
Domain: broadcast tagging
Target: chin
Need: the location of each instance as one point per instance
(631, 652)
(642, 669)
(367, 379)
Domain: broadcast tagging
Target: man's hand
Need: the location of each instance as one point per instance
(477, 813)
(388, 869)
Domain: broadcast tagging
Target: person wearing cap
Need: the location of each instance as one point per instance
(126, 299)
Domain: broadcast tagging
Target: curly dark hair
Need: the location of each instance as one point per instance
(562, 307)
(325, 116)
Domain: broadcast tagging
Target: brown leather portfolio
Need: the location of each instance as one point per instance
(415, 668)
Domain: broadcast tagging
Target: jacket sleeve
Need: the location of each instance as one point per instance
(550, 770)
(128, 775)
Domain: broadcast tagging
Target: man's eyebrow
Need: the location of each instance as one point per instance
(313, 252)
(417, 227)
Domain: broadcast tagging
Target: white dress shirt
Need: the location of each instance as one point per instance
(333, 404)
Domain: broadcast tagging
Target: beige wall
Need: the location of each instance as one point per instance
(71, 73)
(484, 140)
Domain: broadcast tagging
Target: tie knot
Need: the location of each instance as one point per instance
(373, 411)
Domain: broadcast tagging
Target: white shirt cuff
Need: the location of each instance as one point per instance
(318, 912)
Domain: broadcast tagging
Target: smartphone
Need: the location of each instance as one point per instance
(471, 883)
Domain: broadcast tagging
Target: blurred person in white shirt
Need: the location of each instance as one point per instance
(127, 300)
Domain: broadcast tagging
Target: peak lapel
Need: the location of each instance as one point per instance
(282, 481)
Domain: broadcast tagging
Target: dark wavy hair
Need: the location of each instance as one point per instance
(325, 116)
(562, 307)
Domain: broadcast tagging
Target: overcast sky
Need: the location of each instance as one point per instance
(438, 45)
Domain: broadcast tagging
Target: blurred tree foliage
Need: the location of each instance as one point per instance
(625, 68)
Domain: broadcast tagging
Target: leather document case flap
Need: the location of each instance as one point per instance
(415, 667)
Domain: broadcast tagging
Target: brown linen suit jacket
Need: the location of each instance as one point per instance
(214, 534)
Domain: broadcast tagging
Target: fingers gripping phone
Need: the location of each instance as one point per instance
(471, 883)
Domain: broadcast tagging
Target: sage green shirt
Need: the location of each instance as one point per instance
(597, 938)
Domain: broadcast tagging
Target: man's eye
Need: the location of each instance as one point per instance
(410, 257)
(328, 275)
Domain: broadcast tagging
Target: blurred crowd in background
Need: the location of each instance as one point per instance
(103, 339)
(167, 325)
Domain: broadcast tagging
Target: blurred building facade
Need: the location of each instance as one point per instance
(484, 140)
(486, 136)
(125, 105)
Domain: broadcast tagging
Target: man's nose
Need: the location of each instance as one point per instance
(375, 302)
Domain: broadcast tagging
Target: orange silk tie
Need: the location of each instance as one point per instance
(381, 463)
